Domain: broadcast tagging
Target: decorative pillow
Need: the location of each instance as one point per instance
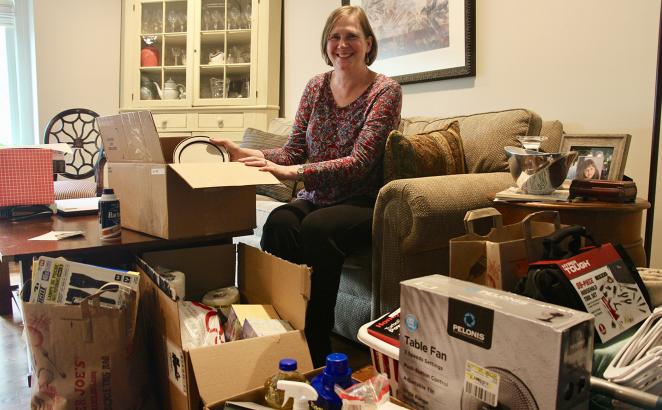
(437, 152)
(256, 139)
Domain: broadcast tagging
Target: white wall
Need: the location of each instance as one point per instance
(590, 64)
(77, 53)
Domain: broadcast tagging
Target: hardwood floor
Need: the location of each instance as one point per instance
(14, 391)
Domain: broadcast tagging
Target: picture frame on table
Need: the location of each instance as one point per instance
(601, 156)
(420, 40)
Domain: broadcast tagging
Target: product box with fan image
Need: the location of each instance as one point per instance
(466, 346)
(189, 377)
(174, 199)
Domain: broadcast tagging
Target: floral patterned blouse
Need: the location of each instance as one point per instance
(344, 146)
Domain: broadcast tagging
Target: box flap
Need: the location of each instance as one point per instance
(130, 137)
(269, 280)
(226, 174)
(234, 367)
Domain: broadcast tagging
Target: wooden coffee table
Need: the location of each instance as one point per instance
(606, 221)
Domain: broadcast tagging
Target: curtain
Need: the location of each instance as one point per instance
(16, 21)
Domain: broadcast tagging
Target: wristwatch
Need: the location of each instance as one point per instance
(300, 173)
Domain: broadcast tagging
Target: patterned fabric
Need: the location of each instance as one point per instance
(73, 189)
(343, 145)
(26, 176)
(256, 139)
(483, 135)
(422, 155)
(553, 130)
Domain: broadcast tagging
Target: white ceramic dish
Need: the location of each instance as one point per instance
(199, 149)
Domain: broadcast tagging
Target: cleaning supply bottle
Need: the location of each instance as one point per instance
(300, 393)
(337, 371)
(287, 370)
(109, 216)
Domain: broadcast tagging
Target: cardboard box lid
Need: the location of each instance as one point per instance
(224, 174)
(288, 289)
(231, 368)
(131, 137)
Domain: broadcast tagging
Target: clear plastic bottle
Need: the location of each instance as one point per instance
(287, 370)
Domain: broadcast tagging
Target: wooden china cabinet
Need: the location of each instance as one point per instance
(202, 67)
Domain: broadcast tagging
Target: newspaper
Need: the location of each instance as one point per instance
(59, 281)
(516, 194)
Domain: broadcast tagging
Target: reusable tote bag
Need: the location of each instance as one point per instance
(501, 257)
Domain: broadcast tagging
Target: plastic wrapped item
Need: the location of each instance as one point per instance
(200, 325)
(368, 395)
(176, 279)
(222, 298)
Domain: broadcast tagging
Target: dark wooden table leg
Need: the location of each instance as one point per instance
(5, 291)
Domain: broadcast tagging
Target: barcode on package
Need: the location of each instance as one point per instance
(481, 383)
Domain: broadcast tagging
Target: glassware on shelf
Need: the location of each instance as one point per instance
(216, 85)
(206, 19)
(172, 19)
(176, 53)
(181, 20)
(216, 19)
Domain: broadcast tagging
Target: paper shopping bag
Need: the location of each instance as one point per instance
(85, 356)
(501, 257)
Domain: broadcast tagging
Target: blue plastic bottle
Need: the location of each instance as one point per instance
(337, 371)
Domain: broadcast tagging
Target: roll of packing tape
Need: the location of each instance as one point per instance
(177, 282)
(222, 298)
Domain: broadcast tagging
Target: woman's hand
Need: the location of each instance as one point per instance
(234, 150)
(282, 172)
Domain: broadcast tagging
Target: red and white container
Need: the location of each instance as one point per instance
(384, 356)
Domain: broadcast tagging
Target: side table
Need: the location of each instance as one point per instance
(606, 221)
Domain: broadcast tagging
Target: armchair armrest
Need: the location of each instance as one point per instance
(414, 220)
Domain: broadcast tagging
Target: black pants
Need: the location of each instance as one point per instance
(302, 232)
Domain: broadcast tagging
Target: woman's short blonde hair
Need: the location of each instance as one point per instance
(346, 11)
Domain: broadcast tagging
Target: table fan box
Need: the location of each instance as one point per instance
(26, 176)
(467, 346)
(171, 200)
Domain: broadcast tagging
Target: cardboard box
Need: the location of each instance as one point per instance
(174, 200)
(464, 345)
(213, 373)
(238, 315)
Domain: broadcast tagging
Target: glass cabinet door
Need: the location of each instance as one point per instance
(163, 50)
(226, 43)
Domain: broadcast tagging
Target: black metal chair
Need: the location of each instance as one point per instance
(78, 128)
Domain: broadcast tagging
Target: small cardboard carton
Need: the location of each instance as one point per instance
(189, 378)
(468, 346)
(174, 200)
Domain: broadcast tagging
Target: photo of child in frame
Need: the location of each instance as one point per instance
(592, 163)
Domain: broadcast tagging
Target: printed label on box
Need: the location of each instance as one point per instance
(481, 383)
(176, 368)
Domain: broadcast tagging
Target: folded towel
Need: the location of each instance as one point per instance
(653, 280)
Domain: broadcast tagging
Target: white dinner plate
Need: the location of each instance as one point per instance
(199, 149)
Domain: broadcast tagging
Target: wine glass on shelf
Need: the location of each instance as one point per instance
(216, 18)
(172, 19)
(181, 20)
(176, 53)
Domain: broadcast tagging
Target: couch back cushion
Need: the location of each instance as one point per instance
(483, 135)
(257, 139)
(437, 152)
(553, 130)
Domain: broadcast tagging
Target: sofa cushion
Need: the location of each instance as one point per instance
(437, 152)
(256, 139)
(483, 135)
(553, 130)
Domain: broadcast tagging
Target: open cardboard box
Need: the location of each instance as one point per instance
(187, 379)
(174, 200)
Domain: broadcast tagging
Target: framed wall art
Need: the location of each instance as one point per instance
(423, 40)
(600, 156)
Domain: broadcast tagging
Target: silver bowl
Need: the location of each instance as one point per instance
(536, 172)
